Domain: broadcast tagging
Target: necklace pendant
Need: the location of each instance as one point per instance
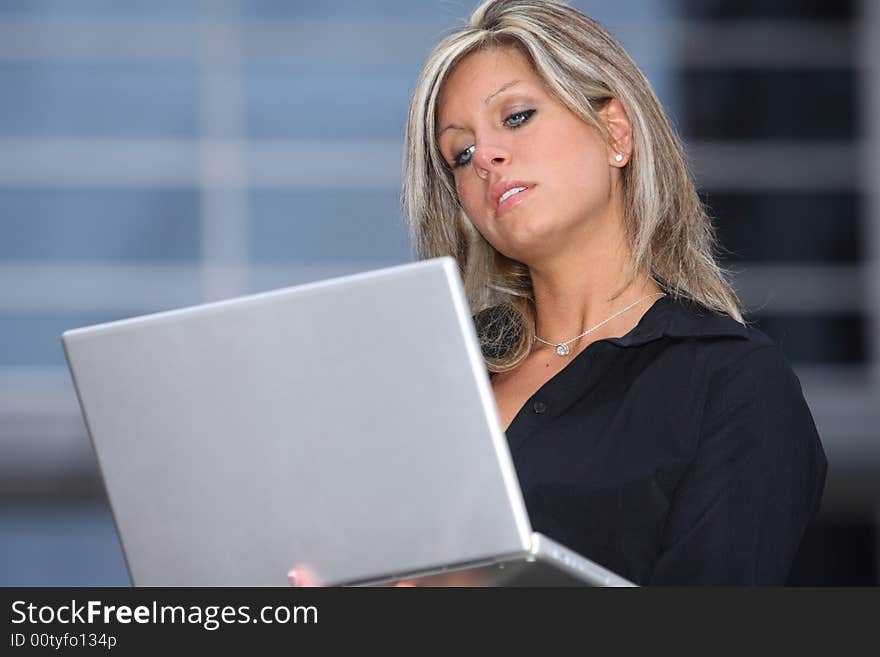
(562, 350)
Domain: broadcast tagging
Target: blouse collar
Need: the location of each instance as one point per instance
(680, 319)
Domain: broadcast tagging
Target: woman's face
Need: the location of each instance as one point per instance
(501, 131)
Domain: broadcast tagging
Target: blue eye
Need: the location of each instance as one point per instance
(463, 158)
(518, 119)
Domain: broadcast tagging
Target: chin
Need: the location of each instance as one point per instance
(529, 242)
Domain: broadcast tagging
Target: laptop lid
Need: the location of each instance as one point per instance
(347, 424)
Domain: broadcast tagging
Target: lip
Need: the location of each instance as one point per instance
(497, 191)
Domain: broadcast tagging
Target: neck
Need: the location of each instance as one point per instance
(574, 291)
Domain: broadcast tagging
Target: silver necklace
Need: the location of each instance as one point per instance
(562, 348)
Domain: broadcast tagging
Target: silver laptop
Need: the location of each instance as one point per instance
(346, 425)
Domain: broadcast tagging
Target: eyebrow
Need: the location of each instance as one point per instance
(503, 87)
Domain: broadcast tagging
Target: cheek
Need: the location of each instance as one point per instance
(470, 197)
(583, 171)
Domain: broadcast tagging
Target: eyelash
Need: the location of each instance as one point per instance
(526, 114)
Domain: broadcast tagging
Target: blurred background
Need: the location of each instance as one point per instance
(162, 153)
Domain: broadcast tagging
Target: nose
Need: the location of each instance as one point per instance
(489, 156)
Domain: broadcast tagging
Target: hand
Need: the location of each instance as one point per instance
(302, 576)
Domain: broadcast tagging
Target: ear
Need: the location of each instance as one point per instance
(619, 129)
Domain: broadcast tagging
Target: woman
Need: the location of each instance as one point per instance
(652, 430)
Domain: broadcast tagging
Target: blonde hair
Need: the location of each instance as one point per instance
(666, 225)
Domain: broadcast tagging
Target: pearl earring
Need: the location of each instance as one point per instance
(618, 157)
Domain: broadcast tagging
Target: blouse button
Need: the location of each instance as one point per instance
(539, 407)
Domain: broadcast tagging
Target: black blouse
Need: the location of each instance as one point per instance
(680, 453)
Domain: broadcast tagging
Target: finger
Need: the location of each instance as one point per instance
(300, 576)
